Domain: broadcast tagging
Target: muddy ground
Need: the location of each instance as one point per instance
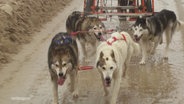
(26, 79)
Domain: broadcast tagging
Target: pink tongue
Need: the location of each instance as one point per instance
(107, 85)
(60, 81)
(102, 38)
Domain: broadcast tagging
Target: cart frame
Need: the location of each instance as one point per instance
(137, 8)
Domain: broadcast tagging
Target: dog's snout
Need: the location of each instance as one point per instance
(136, 36)
(99, 33)
(108, 79)
(61, 74)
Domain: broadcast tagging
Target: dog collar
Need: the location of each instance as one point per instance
(115, 39)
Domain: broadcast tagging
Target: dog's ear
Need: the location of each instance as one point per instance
(113, 56)
(101, 54)
(97, 64)
(147, 21)
(132, 27)
(98, 61)
(140, 17)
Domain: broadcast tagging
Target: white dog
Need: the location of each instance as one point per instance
(113, 57)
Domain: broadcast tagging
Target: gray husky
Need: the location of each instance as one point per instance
(63, 63)
(149, 31)
(90, 30)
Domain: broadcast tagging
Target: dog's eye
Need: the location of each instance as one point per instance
(111, 67)
(57, 65)
(107, 58)
(64, 64)
(103, 68)
(100, 27)
(94, 28)
(140, 29)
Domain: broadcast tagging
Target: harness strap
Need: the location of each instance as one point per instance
(78, 32)
(124, 38)
(115, 39)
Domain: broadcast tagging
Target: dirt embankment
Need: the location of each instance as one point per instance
(20, 18)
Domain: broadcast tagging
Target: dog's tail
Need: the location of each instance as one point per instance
(135, 46)
(72, 20)
(180, 25)
(177, 26)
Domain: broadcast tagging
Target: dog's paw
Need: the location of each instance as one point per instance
(142, 63)
(75, 94)
(87, 61)
(106, 94)
(55, 103)
(165, 58)
(152, 52)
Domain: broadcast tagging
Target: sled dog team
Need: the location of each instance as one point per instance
(112, 55)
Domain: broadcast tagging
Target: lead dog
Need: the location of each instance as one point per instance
(150, 30)
(90, 30)
(112, 59)
(63, 63)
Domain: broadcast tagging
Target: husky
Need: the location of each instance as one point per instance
(113, 57)
(63, 63)
(149, 31)
(90, 30)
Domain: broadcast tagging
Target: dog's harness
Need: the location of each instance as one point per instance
(64, 40)
(78, 32)
(115, 39)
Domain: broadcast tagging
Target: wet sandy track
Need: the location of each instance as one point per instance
(27, 81)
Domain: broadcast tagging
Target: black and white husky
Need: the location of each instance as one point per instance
(63, 63)
(149, 31)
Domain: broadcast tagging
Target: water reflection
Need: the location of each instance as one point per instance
(147, 83)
